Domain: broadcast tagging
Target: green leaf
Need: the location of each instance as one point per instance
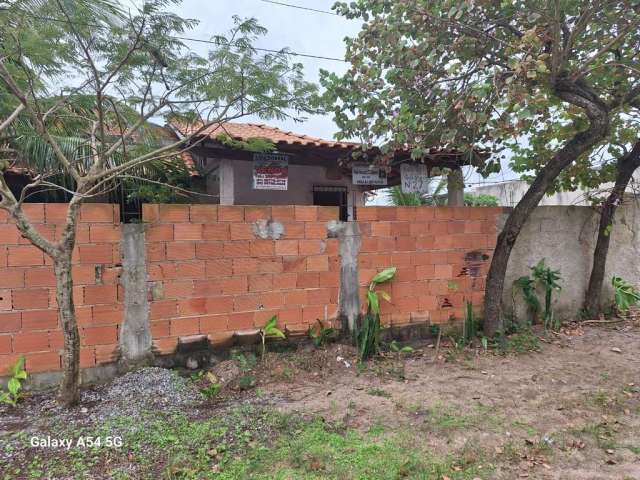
(13, 386)
(384, 276)
(374, 304)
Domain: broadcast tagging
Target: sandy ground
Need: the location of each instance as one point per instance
(570, 411)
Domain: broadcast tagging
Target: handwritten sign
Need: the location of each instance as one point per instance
(270, 171)
(414, 178)
(366, 174)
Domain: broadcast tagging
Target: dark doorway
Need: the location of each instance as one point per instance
(332, 197)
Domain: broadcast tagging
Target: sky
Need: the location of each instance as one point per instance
(301, 31)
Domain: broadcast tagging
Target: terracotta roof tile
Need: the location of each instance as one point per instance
(245, 131)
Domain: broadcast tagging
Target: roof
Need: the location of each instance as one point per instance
(246, 131)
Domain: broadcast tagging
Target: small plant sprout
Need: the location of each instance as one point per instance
(626, 296)
(545, 277)
(14, 386)
(270, 330)
(320, 334)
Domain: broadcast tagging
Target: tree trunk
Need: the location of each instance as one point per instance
(580, 143)
(626, 166)
(69, 393)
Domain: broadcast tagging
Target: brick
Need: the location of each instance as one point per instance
(156, 252)
(203, 213)
(9, 234)
(106, 353)
(40, 277)
(173, 213)
(199, 288)
(195, 270)
(95, 253)
(227, 213)
(318, 296)
(21, 256)
(305, 214)
(241, 248)
(310, 247)
(270, 265)
(290, 316)
(241, 231)
(262, 248)
(221, 304)
(209, 250)
(250, 302)
(332, 246)
(214, 323)
(56, 340)
(286, 247)
(159, 233)
(34, 211)
(150, 213)
(12, 277)
(55, 213)
(367, 214)
(5, 345)
(252, 214)
(97, 212)
(4, 216)
(87, 357)
(328, 279)
(260, 283)
(283, 213)
(308, 280)
(381, 229)
(328, 213)
(163, 309)
(160, 329)
(184, 326)
(165, 345)
(216, 231)
(99, 335)
(192, 306)
(104, 233)
(180, 250)
(31, 342)
(42, 362)
(107, 315)
(82, 233)
(387, 213)
(220, 267)
(317, 263)
(293, 264)
(30, 299)
(293, 230)
(100, 294)
(315, 230)
(39, 320)
(188, 231)
(284, 281)
(240, 321)
(235, 285)
(406, 213)
(296, 297)
(312, 314)
(10, 322)
(261, 317)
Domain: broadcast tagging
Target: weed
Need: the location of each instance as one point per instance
(211, 390)
(270, 330)
(378, 392)
(523, 340)
(320, 335)
(17, 374)
(626, 295)
(541, 276)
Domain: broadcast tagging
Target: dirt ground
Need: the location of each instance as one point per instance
(570, 411)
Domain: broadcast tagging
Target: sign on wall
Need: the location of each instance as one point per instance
(270, 171)
(366, 174)
(414, 178)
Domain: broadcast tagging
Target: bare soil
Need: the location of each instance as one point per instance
(570, 411)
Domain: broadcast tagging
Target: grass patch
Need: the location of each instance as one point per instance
(379, 392)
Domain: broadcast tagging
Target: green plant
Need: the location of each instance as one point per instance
(270, 330)
(14, 385)
(211, 390)
(626, 295)
(480, 200)
(395, 347)
(367, 333)
(541, 275)
(321, 334)
(470, 325)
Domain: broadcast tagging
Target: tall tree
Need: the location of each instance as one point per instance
(96, 70)
(474, 74)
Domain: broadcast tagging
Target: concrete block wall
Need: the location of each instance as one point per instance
(215, 270)
(442, 255)
(29, 324)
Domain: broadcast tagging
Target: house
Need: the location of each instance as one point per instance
(302, 170)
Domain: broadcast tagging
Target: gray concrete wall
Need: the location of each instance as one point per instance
(565, 236)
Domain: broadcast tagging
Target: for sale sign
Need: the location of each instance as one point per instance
(270, 171)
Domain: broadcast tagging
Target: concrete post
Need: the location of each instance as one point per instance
(227, 190)
(135, 332)
(455, 188)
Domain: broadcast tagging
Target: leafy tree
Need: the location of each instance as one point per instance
(480, 200)
(90, 68)
(468, 75)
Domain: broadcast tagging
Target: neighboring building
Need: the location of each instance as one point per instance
(510, 192)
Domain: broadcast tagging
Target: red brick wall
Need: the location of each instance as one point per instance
(213, 275)
(29, 323)
(442, 255)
